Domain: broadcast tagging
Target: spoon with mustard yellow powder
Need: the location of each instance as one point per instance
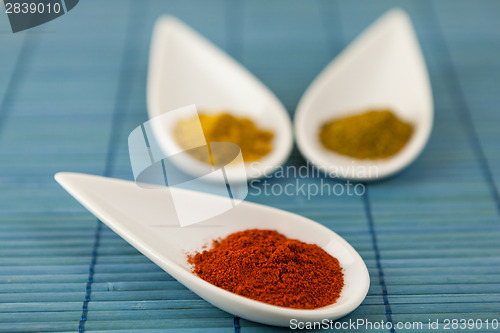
(369, 114)
(147, 220)
(233, 105)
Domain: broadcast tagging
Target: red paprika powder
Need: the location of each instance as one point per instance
(266, 266)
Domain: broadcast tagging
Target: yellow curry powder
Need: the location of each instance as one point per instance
(254, 143)
(374, 134)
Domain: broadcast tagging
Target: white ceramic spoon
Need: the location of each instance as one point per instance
(185, 68)
(382, 68)
(145, 218)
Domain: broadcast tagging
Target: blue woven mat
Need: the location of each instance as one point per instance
(73, 89)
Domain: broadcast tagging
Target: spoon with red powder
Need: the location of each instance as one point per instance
(292, 268)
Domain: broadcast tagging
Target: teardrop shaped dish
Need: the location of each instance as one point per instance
(185, 68)
(382, 68)
(146, 219)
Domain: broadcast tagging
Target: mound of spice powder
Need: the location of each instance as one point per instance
(374, 134)
(266, 266)
(254, 142)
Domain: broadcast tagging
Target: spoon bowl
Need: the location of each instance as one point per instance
(185, 68)
(383, 68)
(146, 219)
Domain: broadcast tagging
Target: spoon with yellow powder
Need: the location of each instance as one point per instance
(232, 105)
(369, 113)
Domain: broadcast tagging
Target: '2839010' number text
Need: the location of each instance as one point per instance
(32, 8)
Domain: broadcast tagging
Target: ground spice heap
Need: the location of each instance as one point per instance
(372, 135)
(266, 266)
(254, 142)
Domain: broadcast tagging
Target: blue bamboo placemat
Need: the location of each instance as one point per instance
(73, 89)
